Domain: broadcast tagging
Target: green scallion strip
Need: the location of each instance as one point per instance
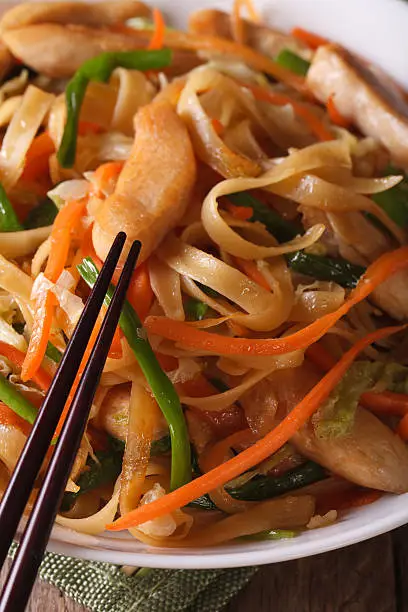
(195, 309)
(159, 383)
(10, 396)
(53, 353)
(293, 62)
(100, 69)
(8, 217)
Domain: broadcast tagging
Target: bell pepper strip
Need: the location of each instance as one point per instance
(158, 381)
(195, 338)
(37, 159)
(322, 268)
(99, 69)
(311, 40)
(8, 418)
(10, 396)
(157, 40)
(335, 116)
(8, 218)
(315, 125)
(66, 221)
(41, 378)
(293, 62)
(262, 449)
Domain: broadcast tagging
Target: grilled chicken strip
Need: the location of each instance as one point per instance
(155, 185)
(59, 50)
(370, 100)
(211, 22)
(81, 13)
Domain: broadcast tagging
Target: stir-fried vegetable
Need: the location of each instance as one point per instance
(262, 449)
(10, 396)
(195, 309)
(321, 268)
(292, 61)
(159, 383)
(53, 353)
(100, 69)
(42, 215)
(8, 218)
(41, 378)
(395, 200)
(263, 487)
(273, 534)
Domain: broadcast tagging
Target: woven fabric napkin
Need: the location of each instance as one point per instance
(102, 587)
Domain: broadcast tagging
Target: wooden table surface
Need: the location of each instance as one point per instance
(367, 577)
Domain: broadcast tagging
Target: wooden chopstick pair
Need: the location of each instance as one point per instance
(21, 577)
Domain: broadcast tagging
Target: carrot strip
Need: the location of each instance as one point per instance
(336, 117)
(67, 219)
(320, 357)
(105, 177)
(356, 499)
(313, 122)
(9, 418)
(218, 127)
(243, 213)
(311, 40)
(238, 23)
(157, 40)
(192, 337)
(87, 127)
(36, 165)
(265, 447)
(402, 429)
(39, 336)
(249, 268)
(41, 378)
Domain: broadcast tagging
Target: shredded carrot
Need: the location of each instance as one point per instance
(250, 269)
(167, 362)
(301, 110)
(192, 337)
(65, 222)
(311, 40)
(41, 378)
(402, 429)
(36, 165)
(87, 127)
(243, 213)
(9, 418)
(356, 499)
(335, 116)
(262, 449)
(105, 177)
(218, 127)
(157, 40)
(237, 22)
(237, 329)
(198, 387)
(384, 402)
(39, 335)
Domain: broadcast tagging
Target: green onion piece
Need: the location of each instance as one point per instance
(159, 383)
(195, 309)
(42, 215)
(394, 201)
(292, 61)
(274, 534)
(336, 269)
(53, 353)
(10, 396)
(264, 487)
(8, 218)
(100, 69)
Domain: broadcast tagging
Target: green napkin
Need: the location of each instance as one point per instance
(102, 587)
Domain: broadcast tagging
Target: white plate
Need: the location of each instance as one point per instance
(377, 29)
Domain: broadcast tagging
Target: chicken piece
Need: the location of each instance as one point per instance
(59, 50)
(211, 22)
(83, 13)
(370, 100)
(371, 455)
(155, 185)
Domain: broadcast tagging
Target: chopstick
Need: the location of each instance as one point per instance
(22, 575)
